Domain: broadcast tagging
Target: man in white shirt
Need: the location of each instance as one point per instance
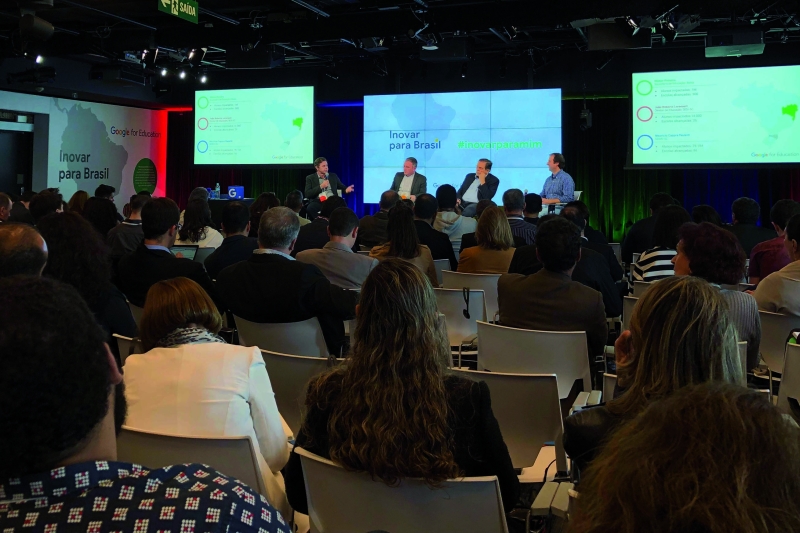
(409, 184)
(477, 186)
(780, 291)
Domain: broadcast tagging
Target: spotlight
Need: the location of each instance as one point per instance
(203, 78)
(149, 57)
(40, 59)
(464, 71)
(164, 73)
(196, 56)
(182, 75)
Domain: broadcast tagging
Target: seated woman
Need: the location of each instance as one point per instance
(392, 409)
(404, 243)
(656, 263)
(264, 202)
(191, 383)
(197, 226)
(714, 254)
(680, 334)
(101, 214)
(495, 245)
(711, 458)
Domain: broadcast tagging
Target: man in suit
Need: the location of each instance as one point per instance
(236, 246)
(477, 186)
(152, 261)
(315, 235)
(46, 202)
(372, 228)
(514, 205)
(343, 267)
(425, 210)
(20, 210)
(533, 206)
(550, 300)
(745, 214)
(409, 184)
(124, 238)
(322, 184)
(573, 214)
(640, 235)
(271, 287)
(591, 234)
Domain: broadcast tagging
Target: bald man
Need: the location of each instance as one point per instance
(5, 207)
(22, 250)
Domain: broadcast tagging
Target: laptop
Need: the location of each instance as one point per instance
(187, 251)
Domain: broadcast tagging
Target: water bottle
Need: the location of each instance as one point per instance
(216, 192)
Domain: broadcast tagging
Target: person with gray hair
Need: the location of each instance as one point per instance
(22, 250)
(271, 287)
(5, 207)
(514, 205)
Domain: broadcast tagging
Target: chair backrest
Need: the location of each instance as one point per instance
(635, 257)
(640, 287)
(289, 375)
(341, 501)
(440, 265)
(137, 313)
(451, 304)
(363, 252)
(578, 195)
(127, 346)
(485, 282)
(295, 338)
(233, 456)
(609, 384)
(743, 358)
(617, 247)
(363, 248)
(628, 303)
(789, 393)
(202, 254)
(528, 410)
(524, 351)
(775, 329)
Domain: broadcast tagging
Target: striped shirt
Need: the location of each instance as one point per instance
(522, 229)
(654, 264)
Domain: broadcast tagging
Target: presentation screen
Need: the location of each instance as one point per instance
(731, 116)
(254, 126)
(449, 132)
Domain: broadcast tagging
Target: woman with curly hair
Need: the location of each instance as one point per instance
(197, 226)
(392, 409)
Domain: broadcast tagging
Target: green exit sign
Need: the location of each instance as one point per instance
(184, 9)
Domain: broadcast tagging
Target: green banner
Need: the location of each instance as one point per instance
(184, 9)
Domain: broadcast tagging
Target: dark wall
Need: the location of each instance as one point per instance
(16, 153)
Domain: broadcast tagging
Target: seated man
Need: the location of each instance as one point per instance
(271, 287)
(745, 213)
(236, 246)
(559, 188)
(124, 238)
(592, 235)
(20, 211)
(780, 291)
(343, 267)
(575, 214)
(533, 206)
(549, 300)
(514, 205)
(640, 234)
(771, 255)
(294, 201)
(22, 251)
(448, 221)
(315, 235)
(425, 210)
(152, 261)
(46, 202)
(477, 186)
(63, 405)
(372, 228)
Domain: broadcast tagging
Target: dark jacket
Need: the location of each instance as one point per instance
(594, 236)
(140, 270)
(269, 288)
(585, 434)
(438, 242)
(485, 191)
(468, 240)
(531, 220)
(311, 236)
(372, 229)
(20, 213)
(638, 239)
(312, 190)
(124, 238)
(608, 254)
(418, 186)
(232, 250)
(113, 314)
(479, 448)
(749, 235)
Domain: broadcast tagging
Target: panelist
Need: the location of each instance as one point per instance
(477, 186)
(559, 188)
(321, 185)
(409, 184)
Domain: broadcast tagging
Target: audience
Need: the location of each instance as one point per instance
(780, 291)
(680, 334)
(514, 205)
(468, 240)
(79, 257)
(271, 287)
(712, 458)
(5, 207)
(425, 210)
(190, 382)
(448, 221)
(533, 206)
(715, 255)
(198, 193)
(236, 246)
(127, 236)
(745, 214)
(392, 409)
(101, 214)
(404, 244)
(264, 202)
(22, 250)
(315, 235)
(106, 192)
(294, 201)
(63, 406)
(20, 210)
(640, 234)
(549, 300)
(495, 245)
(343, 267)
(706, 213)
(197, 226)
(77, 201)
(482, 206)
(372, 229)
(44, 203)
(590, 234)
(656, 263)
(152, 261)
(770, 256)
(576, 214)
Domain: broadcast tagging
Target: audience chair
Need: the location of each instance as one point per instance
(640, 287)
(137, 314)
(233, 456)
(743, 357)
(295, 338)
(440, 265)
(628, 303)
(617, 247)
(528, 410)
(127, 347)
(341, 501)
(609, 384)
(775, 330)
(461, 331)
(485, 282)
(524, 351)
(363, 252)
(363, 248)
(789, 394)
(202, 254)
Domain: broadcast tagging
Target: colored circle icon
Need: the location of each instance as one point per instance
(202, 103)
(145, 176)
(202, 124)
(644, 114)
(644, 142)
(644, 87)
(202, 147)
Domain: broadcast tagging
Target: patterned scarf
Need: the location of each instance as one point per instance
(189, 336)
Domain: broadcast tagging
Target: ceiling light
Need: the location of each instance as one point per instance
(182, 75)
(203, 78)
(464, 71)
(40, 59)
(163, 73)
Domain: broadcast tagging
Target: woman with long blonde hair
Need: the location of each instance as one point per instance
(392, 409)
(495, 245)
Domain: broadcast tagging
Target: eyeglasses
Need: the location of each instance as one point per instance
(178, 226)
